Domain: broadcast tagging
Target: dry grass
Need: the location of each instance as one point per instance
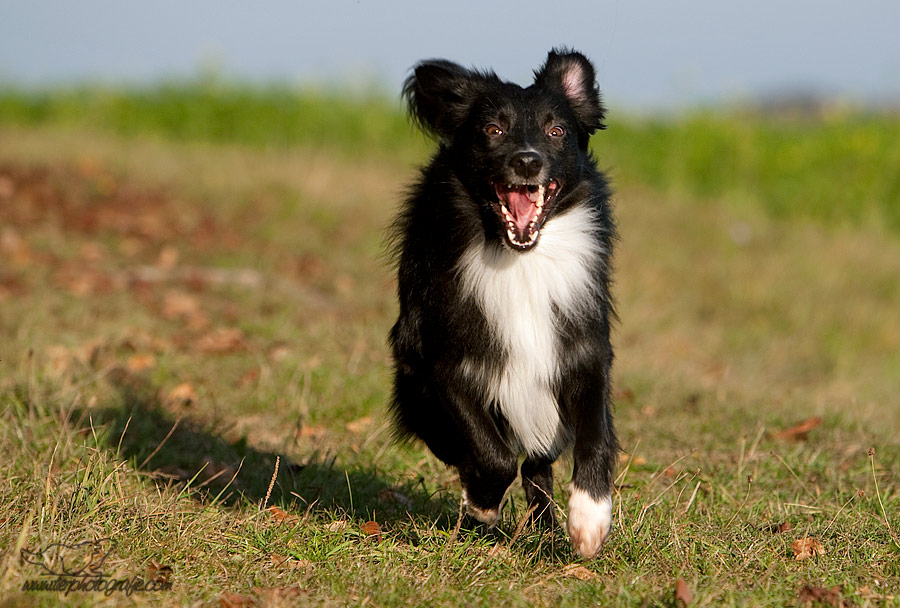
(156, 371)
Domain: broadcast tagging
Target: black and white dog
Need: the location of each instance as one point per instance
(503, 252)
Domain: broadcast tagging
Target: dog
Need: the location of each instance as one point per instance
(503, 254)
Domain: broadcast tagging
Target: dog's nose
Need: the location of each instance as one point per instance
(526, 164)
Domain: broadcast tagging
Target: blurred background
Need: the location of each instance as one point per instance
(650, 56)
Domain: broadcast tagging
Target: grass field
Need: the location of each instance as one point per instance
(194, 303)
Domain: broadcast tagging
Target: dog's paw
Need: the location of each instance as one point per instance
(489, 517)
(589, 521)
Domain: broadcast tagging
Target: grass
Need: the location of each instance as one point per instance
(185, 314)
(835, 166)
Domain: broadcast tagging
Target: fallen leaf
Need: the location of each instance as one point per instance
(279, 353)
(236, 600)
(807, 547)
(168, 257)
(314, 432)
(248, 378)
(578, 571)
(670, 472)
(140, 362)
(185, 307)
(783, 527)
(372, 530)
(809, 595)
(181, 395)
(280, 515)
(624, 394)
(7, 187)
(179, 304)
(289, 562)
(14, 248)
(683, 593)
(222, 340)
(91, 252)
(359, 425)
(799, 432)
(337, 525)
(159, 573)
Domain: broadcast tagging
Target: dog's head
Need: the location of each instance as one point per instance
(519, 151)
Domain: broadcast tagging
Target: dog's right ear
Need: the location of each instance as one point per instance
(439, 94)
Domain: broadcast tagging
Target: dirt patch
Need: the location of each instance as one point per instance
(89, 200)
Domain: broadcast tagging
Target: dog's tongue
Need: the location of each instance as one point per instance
(521, 205)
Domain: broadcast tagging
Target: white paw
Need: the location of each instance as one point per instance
(589, 521)
(489, 517)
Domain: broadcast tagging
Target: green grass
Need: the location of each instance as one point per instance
(249, 271)
(836, 167)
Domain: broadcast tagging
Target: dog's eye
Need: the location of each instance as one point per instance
(493, 130)
(556, 131)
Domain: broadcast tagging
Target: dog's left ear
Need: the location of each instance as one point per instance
(572, 74)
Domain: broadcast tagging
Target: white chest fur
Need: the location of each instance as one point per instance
(518, 293)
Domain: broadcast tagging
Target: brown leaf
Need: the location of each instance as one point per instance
(221, 341)
(625, 458)
(14, 248)
(359, 425)
(235, 600)
(249, 378)
(140, 362)
(372, 530)
(159, 573)
(280, 515)
(783, 527)
(7, 187)
(624, 394)
(181, 395)
(288, 562)
(807, 547)
(683, 595)
(578, 571)
(178, 304)
(799, 432)
(313, 432)
(809, 595)
(279, 353)
(168, 257)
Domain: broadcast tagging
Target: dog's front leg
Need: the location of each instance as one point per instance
(487, 467)
(595, 453)
(537, 480)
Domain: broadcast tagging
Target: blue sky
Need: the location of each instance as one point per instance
(649, 55)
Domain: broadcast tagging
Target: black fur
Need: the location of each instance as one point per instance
(494, 133)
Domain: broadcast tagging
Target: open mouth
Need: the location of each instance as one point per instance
(522, 208)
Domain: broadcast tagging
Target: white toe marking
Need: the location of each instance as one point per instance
(589, 521)
(489, 517)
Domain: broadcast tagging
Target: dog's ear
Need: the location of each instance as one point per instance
(572, 74)
(439, 94)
